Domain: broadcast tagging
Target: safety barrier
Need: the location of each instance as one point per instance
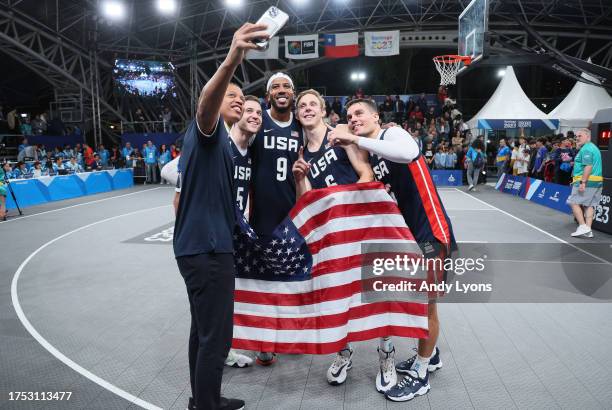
(535, 190)
(450, 177)
(36, 191)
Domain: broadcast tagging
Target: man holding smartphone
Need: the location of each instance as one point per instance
(205, 220)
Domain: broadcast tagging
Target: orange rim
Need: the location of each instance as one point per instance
(452, 58)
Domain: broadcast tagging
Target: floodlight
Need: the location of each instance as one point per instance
(166, 6)
(113, 9)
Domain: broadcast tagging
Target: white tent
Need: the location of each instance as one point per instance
(580, 105)
(510, 103)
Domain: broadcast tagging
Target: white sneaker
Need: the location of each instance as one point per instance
(235, 359)
(589, 234)
(337, 372)
(470, 187)
(387, 376)
(581, 230)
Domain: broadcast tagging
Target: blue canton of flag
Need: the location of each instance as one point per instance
(330, 39)
(284, 256)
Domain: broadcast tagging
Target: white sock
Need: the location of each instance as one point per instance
(420, 366)
(386, 344)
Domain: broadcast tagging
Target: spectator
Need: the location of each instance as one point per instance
(41, 152)
(540, 156)
(587, 183)
(388, 109)
(422, 103)
(58, 165)
(503, 157)
(68, 151)
(37, 171)
(164, 158)
(409, 106)
(167, 119)
(430, 115)
(48, 162)
(475, 161)
(24, 144)
(26, 127)
(88, 155)
(428, 154)
(104, 155)
(337, 106)
(73, 165)
(416, 115)
(398, 109)
(564, 160)
(117, 160)
(78, 153)
(442, 95)
(150, 155)
(457, 138)
(96, 163)
(127, 151)
(4, 175)
(21, 171)
(174, 151)
(440, 158)
(418, 140)
(522, 157)
(443, 129)
(37, 125)
(451, 157)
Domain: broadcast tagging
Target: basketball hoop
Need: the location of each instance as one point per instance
(449, 65)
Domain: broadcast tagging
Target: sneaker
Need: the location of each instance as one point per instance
(470, 187)
(235, 359)
(581, 230)
(231, 404)
(589, 234)
(337, 372)
(265, 358)
(191, 404)
(387, 376)
(434, 363)
(409, 387)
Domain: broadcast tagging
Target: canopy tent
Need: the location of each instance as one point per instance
(510, 108)
(580, 105)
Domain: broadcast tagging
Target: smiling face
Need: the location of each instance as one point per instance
(251, 118)
(362, 119)
(309, 110)
(231, 107)
(281, 94)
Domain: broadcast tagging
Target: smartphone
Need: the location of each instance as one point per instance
(275, 19)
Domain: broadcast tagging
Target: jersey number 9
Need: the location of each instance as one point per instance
(281, 169)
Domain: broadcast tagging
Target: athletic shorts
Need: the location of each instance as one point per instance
(590, 196)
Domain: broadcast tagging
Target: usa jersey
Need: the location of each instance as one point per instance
(329, 166)
(242, 175)
(417, 199)
(274, 151)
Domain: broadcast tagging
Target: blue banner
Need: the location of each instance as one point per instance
(36, 191)
(516, 124)
(544, 193)
(450, 177)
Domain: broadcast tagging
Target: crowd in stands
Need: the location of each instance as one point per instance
(36, 161)
(549, 158)
(12, 122)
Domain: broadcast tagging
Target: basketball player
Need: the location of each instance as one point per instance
(397, 162)
(205, 220)
(327, 165)
(274, 151)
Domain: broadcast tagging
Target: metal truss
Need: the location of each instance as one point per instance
(68, 43)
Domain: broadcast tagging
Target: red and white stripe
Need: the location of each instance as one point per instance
(321, 315)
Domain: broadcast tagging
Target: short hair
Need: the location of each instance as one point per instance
(369, 103)
(585, 131)
(251, 98)
(311, 92)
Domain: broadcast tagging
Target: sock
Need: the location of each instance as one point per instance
(386, 344)
(420, 366)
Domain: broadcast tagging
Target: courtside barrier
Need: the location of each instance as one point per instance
(535, 190)
(442, 177)
(36, 191)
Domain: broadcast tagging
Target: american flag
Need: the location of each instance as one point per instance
(301, 290)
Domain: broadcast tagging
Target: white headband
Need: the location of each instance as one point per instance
(278, 75)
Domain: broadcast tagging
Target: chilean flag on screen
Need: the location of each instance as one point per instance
(342, 45)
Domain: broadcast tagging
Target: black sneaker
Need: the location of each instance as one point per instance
(231, 404)
(191, 404)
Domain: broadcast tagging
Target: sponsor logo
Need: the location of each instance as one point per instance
(164, 236)
(542, 194)
(555, 197)
(451, 178)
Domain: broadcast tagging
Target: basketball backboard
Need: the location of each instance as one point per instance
(473, 22)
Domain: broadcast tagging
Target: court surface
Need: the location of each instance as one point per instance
(95, 282)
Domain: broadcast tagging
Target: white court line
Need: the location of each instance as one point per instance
(537, 229)
(470, 209)
(18, 218)
(48, 346)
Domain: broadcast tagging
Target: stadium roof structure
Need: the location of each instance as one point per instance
(72, 45)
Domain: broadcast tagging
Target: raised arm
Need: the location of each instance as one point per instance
(213, 92)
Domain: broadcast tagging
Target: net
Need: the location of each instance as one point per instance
(448, 66)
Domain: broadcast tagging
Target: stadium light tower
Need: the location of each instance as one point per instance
(166, 6)
(234, 4)
(113, 9)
